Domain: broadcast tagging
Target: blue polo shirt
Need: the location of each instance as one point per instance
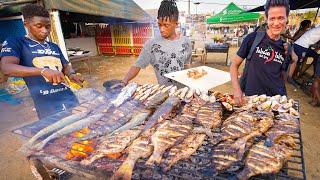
(48, 98)
(265, 67)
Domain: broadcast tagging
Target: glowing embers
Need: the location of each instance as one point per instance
(82, 149)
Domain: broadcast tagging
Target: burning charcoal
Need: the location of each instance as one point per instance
(136, 175)
(147, 174)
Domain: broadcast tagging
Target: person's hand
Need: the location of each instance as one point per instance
(238, 97)
(76, 78)
(53, 76)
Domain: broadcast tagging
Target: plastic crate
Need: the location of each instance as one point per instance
(123, 50)
(137, 50)
(106, 50)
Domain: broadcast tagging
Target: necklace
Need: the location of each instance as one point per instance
(45, 45)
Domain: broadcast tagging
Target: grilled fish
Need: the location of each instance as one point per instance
(264, 160)
(139, 116)
(242, 124)
(52, 128)
(115, 120)
(225, 155)
(69, 129)
(112, 146)
(140, 148)
(163, 112)
(125, 94)
(156, 100)
(167, 135)
(285, 124)
(209, 117)
(183, 150)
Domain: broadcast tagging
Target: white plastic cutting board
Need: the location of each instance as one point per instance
(214, 78)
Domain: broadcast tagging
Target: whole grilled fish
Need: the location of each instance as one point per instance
(69, 129)
(242, 124)
(183, 150)
(112, 145)
(225, 155)
(138, 117)
(264, 160)
(209, 117)
(163, 112)
(140, 148)
(53, 127)
(167, 135)
(125, 94)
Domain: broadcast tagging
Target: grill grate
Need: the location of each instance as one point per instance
(198, 166)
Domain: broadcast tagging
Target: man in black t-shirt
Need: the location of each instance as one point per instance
(265, 67)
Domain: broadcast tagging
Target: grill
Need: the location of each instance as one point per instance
(198, 166)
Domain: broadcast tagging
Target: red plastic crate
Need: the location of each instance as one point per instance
(123, 50)
(137, 50)
(106, 50)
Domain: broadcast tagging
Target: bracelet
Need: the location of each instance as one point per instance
(41, 72)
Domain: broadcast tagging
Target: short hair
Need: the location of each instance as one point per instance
(32, 10)
(277, 3)
(168, 9)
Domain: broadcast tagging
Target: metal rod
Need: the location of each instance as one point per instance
(16, 2)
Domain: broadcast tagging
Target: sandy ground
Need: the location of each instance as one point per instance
(14, 165)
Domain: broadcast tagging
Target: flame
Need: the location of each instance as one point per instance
(80, 149)
(81, 133)
(114, 155)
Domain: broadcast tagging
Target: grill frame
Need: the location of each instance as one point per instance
(75, 168)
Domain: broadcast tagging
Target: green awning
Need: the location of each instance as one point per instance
(232, 14)
(120, 9)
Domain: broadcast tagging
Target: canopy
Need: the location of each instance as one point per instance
(232, 14)
(295, 4)
(119, 9)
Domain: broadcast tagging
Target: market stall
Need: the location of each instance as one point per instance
(154, 132)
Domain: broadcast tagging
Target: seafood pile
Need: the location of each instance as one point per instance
(164, 125)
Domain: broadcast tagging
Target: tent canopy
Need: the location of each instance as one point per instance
(294, 4)
(232, 14)
(118, 9)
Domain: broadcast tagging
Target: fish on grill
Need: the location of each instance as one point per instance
(183, 150)
(125, 94)
(226, 155)
(167, 135)
(54, 127)
(243, 124)
(164, 111)
(209, 117)
(138, 117)
(69, 129)
(112, 146)
(115, 120)
(140, 148)
(285, 124)
(262, 159)
(156, 100)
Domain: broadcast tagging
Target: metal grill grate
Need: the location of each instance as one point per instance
(198, 166)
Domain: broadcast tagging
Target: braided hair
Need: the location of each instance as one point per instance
(168, 9)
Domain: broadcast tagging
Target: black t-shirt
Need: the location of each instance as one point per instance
(265, 68)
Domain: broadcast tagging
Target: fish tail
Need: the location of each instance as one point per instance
(154, 158)
(125, 171)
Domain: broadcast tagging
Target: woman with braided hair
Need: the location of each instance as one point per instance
(166, 53)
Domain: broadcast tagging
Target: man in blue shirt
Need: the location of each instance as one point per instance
(40, 63)
(266, 65)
